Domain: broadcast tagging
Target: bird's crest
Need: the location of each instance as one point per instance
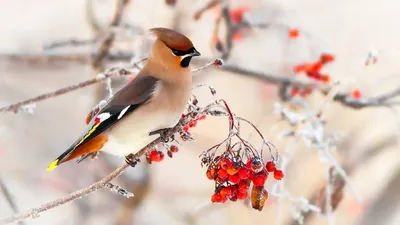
(172, 39)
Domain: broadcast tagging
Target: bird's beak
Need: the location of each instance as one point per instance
(195, 53)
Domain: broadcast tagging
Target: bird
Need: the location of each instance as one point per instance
(153, 101)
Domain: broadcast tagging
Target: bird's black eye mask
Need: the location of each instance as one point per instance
(186, 60)
(177, 52)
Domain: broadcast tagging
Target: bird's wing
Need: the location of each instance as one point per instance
(138, 92)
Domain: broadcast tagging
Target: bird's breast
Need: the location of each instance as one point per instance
(163, 111)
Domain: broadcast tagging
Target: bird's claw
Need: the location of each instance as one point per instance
(131, 160)
(164, 134)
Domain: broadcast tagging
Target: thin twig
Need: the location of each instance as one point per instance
(9, 198)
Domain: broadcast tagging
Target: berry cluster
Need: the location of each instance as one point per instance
(233, 178)
(313, 71)
(157, 155)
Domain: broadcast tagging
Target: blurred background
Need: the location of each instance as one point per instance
(270, 37)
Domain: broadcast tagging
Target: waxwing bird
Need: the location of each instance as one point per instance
(155, 99)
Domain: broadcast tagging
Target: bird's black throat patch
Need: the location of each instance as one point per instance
(186, 61)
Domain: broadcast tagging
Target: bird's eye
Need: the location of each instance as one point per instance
(178, 52)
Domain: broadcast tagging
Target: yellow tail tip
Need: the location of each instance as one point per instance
(52, 165)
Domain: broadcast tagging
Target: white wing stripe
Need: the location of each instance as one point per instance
(123, 112)
(104, 116)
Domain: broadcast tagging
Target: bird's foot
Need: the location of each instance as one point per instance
(132, 160)
(164, 134)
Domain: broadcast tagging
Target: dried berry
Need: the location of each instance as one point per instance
(258, 197)
(174, 148)
(169, 153)
(256, 164)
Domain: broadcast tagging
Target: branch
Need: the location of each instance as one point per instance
(53, 58)
(105, 46)
(113, 72)
(32, 213)
(345, 99)
(101, 77)
(75, 195)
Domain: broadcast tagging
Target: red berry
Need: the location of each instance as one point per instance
(243, 173)
(202, 117)
(193, 123)
(278, 174)
(241, 195)
(356, 94)
(233, 195)
(186, 129)
(218, 62)
(211, 173)
(325, 78)
(251, 176)
(305, 92)
(298, 68)
(243, 187)
(160, 155)
(248, 164)
(223, 174)
(217, 198)
(295, 91)
(234, 179)
(234, 190)
(225, 191)
(237, 13)
(154, 156)
(232, 170)
(225, 163)
(174, 148)
(316, 67)
(270, 166)
(220, 180)
(259, 180)
(326, 58)
(293, 33)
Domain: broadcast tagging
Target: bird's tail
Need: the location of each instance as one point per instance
(94, 145)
